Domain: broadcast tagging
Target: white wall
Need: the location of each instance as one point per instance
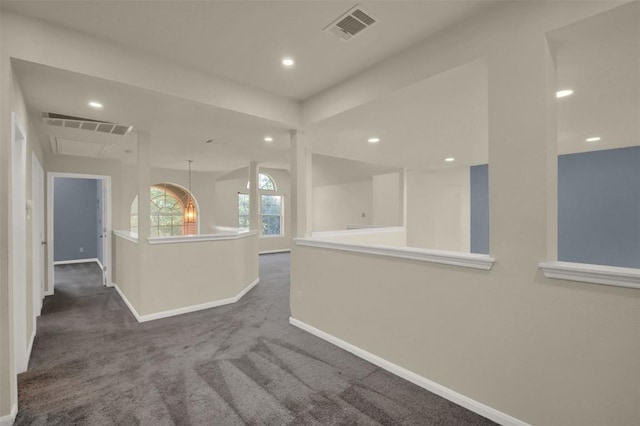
(12, 101)
(226, 203)
(536, 350)
(438, 209)
(387, 200)
(336, 206)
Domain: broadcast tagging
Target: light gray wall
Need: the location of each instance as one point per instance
(438, 209)
(337, 206)
(75, 219)
(599, 207)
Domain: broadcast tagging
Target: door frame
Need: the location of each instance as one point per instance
(105, 182)
(38, 234)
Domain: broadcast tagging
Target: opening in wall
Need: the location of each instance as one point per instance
(599, 139)
(426, 147)
(168, 204)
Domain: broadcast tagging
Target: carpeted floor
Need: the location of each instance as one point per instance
(93, 364)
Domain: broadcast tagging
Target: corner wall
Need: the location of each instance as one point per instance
(533, 350)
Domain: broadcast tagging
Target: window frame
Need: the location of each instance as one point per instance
(262, 191)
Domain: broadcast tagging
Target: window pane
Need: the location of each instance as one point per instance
(271, 225)
(266, 183)
(271, 204)
(243, 210)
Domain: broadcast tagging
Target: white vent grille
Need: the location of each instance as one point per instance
(351, 23)
(60, 120)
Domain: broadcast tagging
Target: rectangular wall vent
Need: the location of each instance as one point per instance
(60, 120)
(351, 23)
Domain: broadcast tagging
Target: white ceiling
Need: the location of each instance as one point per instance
(599, 58)
(178, 128)
(245, 40)
(419, 125)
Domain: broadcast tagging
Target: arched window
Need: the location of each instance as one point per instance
(270, 207)
(167, 210)
(265, 183)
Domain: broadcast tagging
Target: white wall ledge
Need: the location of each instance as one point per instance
(466, 260)
(202, 237)
(358, 231)
(595, 274)
(127, 235)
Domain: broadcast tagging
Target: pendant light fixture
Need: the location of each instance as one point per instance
(190, 215)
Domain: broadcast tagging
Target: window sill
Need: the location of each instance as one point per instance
(595, 274)
(200, 238)
(272, 236)
(127, 235)
(454, 258)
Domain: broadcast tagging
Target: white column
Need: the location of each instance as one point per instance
(144, 211)
(254, 213)
(301, 191)
(522, 152)
(403, 197)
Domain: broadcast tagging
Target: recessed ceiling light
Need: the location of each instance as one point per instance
(374, 140)
(268, 139)
(593, 139)
(564, 93)
(288, 62)
(449, 159)
(95, 104)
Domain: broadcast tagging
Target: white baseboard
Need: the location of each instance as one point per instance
(111, 284)
(70, 262)
(126, 302)
(30, 347)
(453, 396)
(186, 309)
(275, 251)
(9, 419)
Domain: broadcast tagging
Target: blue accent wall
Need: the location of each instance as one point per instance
(599, 207)
(75, 219)
(479, 176)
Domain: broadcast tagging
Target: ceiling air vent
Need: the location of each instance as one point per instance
(351, 23)
(60, 120)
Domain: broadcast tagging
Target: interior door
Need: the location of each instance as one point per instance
(104, 225)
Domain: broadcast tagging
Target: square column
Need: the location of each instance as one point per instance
(254, 214)
(144, 211)
(301, 190)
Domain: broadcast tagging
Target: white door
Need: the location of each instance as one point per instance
(105, 204)
(38, 245)
(18, 245)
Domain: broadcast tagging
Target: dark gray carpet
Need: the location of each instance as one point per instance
(93, 364)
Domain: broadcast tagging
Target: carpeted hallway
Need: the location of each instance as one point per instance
(93, 364)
